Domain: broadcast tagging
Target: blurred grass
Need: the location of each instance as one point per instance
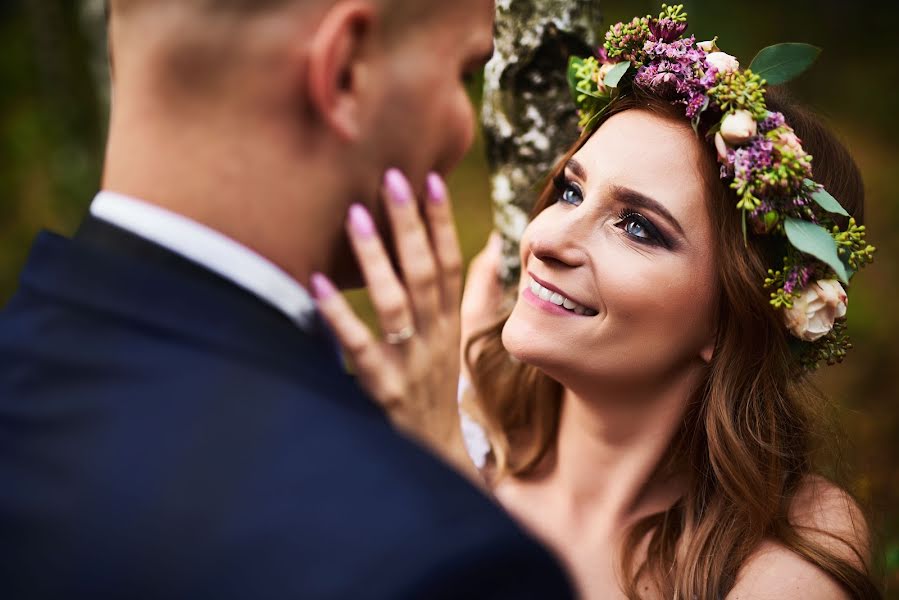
(51, 128)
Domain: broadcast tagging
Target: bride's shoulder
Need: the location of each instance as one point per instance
(825, 514)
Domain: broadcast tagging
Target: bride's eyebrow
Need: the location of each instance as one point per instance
(635, 199)
(576, 168)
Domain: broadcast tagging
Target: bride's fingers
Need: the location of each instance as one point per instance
(413, 247)
(387, 293)
(445, 241)
(357, 341)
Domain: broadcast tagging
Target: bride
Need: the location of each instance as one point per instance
(646, 400)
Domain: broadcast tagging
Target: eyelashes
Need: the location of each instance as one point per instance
(635, 225)
(640, 228)
(567, 191)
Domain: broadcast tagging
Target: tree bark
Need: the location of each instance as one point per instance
(528, 116)
(93, 21)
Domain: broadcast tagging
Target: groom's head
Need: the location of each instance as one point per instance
(293, 102)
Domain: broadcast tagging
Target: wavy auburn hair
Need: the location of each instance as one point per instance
(748, 430)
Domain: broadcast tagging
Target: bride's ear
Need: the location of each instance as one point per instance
(336, 66)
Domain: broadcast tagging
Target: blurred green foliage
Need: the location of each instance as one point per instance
(52, 121)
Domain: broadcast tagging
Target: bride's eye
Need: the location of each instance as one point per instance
(567, 191)
(640, 228)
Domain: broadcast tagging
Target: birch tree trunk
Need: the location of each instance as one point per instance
(93, 21)
(528, 116)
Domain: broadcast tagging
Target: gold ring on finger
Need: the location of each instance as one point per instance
(400, 337)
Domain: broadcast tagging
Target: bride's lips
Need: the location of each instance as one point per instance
(550, 298)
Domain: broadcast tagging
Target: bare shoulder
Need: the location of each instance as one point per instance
(826, 515)
(833, 519)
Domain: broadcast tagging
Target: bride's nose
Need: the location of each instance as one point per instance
(559, 243)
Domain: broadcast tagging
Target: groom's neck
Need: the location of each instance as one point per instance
(233, 177)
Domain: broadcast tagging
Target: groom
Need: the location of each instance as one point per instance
(174, 422)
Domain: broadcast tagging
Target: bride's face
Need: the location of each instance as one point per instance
(628, 244)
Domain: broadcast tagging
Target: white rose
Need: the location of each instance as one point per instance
(738, 127)
(721, 147)
(708, 46)
(817, 307)
(722, 62)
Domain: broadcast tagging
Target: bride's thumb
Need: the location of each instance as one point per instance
(483, 287)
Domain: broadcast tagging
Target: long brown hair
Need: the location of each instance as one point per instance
(748, 430)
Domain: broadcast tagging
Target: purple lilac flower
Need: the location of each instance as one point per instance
(694, 105)
(772, 122)
(800, 201)
(674, 71)
(756, 155)
(797, 279)
(666, 30)
(602, 55)
(707, 81)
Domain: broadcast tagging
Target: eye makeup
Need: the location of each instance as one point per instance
(567, 190)
(641, 229)
(633, 223)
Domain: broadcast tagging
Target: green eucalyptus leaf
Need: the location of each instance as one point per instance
(782, 62)
(815, 240)
(825, 200)
(613, 77)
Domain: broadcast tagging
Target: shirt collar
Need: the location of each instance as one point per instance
(210, 249)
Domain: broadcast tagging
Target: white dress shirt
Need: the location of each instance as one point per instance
(210, 249)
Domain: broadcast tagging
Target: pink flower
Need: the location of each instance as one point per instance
(790, 141)
(816, 309)
(738, 127)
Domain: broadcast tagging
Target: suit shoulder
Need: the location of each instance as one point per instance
(480, 559)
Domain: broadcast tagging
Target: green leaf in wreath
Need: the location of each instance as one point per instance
(782, 62)
(574, 62)
(613, 77)
(824, 199)
(815, 240)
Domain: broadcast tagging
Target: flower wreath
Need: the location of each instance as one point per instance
(759, 153)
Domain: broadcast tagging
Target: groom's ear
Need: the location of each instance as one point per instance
(337, 68)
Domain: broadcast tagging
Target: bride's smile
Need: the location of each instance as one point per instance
(553, 300)
(627, 239)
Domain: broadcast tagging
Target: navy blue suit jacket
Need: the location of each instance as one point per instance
(166, 434)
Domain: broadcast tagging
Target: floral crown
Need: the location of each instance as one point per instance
(760, 156)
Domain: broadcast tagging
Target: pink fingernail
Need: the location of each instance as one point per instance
(436, 189)
(398, 187)
(360, 221)
(322, 287)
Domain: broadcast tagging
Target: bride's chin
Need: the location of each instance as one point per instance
(523, 343)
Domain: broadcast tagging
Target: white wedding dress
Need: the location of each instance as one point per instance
(473, 433)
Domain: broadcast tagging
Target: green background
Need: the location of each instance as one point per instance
(52, 121)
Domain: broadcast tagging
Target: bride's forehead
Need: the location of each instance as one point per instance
(640, 144)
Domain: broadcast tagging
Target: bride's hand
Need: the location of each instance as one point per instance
(412, 368)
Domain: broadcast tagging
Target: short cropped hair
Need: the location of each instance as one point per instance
(247, 6)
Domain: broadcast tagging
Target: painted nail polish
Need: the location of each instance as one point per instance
(436, 189)
(322, 287)
(360, 221)
(397, 186)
